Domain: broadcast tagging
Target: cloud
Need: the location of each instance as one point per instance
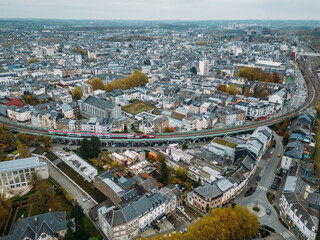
(161, 9)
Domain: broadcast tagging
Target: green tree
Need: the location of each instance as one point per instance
(125, 129)
(77, 93)
(193, 70)
(95, 147)
(69, 234)
(77, 213)
(164, 174)
(184, 146)
(84, 148)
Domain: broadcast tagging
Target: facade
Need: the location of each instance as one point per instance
(161, 123)
(97, 107)
(16, 175)
(204, 67)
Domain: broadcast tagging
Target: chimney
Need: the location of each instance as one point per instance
(35, 220)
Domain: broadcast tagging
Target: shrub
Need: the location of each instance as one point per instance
(256, 209)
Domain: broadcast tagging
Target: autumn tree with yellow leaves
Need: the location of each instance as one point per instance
(96, 83)
(136, 79)
(230, 223)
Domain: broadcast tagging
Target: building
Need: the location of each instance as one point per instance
(127, 222)
(16, 175)
(46, 226)
(161, 123)
(97, 107)
(79, 165)
(146, 126)
(67, 110)
(204, 67)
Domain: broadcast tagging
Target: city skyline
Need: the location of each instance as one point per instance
(163, 10)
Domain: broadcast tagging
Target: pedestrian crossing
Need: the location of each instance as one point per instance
(262, 188)
(287, 235)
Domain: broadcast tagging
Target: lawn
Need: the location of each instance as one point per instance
(137, 107)
(224, 143)
(84, 184)
(23, 211)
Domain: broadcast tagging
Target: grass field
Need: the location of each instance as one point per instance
(137, 107)
(85, 185)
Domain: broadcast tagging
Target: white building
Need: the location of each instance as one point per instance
(204, 67)
(16, 175)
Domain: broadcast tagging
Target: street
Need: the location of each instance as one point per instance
(259, 197)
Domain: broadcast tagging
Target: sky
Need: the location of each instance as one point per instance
(162, 9)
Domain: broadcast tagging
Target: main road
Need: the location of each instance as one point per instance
(260, 195)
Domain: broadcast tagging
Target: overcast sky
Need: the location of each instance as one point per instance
(162, 9)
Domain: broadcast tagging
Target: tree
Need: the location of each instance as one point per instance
(94, 147)
(286, 137)
(286, 123)
(184, 146)
(222, 88)
(164, 175)
(230, 223)
(5, 206)
(193, 70)
(233, 90)
(77, 213)
(125, 128)
(43, 198)
(69, 234)
(77, 93)
(23, 151)
(96, 83)
(46, 143)
(276, 77)
(33, 60)
(247, 92)
(277, 126)
(84, 148)
(136, 79)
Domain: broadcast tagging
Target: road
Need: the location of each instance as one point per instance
(74, 192)
(260, 197)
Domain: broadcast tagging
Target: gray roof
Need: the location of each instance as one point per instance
(18, 164)
(99, 103)
(50, 223)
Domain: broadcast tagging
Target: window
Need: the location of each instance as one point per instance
(20, 171)
(18, 185)
(12, 186)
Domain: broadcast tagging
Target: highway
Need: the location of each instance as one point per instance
(310, 80)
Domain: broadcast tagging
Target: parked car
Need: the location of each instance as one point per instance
(182, 231)
(86, 198)
(66, 149)
(268, 211)
(258, 178)
(274, 187)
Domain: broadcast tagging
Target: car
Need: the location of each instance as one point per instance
(274, 187)
(86, 198)
(66, 149)
(269, 156)
(268, 211)
(105, 150)
(182, 231)
(258, 178)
